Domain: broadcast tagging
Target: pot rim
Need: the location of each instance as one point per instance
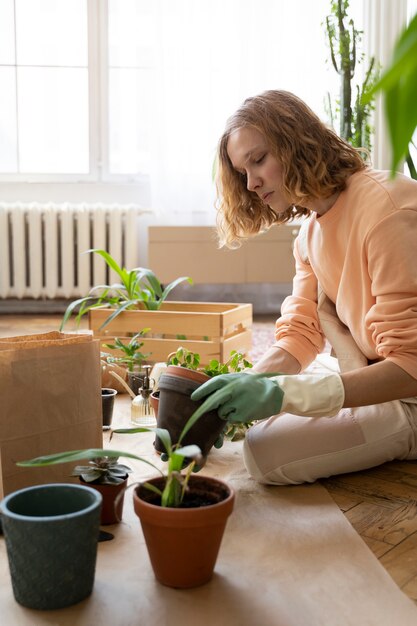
(192, 510)
(6, 512)
(185, 372)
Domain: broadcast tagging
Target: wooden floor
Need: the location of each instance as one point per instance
(381, 504)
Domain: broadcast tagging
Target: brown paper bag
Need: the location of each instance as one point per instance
(50, 399)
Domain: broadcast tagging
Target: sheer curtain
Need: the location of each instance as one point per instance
(204, 60)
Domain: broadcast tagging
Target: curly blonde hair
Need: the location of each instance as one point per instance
(315, 161)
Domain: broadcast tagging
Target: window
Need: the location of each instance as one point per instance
(44, 87)
(134, 94)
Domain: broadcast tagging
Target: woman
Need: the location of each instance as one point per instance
(355, 285)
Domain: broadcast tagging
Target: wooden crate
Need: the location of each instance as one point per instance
(213, 329)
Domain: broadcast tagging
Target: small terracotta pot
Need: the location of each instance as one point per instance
(176, 407)
(183, 543)
(154, 400)
(111, 511)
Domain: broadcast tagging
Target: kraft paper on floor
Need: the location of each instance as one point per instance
(288, 558)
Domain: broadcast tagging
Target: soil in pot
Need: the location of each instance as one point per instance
(183, 543)
(176, 407)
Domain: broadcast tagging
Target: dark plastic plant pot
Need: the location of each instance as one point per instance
(51, 534)
(107, 401)
(176, 407)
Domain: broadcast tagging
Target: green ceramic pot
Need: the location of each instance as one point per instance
(51, 534)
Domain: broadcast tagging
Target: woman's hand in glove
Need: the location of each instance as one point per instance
(241, 397)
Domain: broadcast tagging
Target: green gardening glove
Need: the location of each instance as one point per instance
(241, 397)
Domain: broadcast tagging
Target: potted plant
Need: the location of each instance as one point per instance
(138, 288)
(132, 358)
(183, 515)
(103, 473)
(182, 376)
(140, 300)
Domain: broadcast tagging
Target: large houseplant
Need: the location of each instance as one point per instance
(399, 86)
(353, 110)
(138, 288)
(183, 515)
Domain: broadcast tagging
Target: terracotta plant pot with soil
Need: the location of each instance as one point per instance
(183, 543)
(176, 407)
(112, 506)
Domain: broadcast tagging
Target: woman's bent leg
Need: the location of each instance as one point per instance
(288, 449)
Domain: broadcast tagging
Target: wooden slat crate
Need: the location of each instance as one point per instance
(213, 329)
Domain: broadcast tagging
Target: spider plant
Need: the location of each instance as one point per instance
(138, 287)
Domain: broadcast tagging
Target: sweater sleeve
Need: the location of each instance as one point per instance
(391, 248)
(298, 329)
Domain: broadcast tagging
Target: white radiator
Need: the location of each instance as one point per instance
(41, 247)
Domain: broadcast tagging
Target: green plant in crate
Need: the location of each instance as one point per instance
(131, 350)
(138, 287)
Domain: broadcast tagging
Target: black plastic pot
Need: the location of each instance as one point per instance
(107, 400)
(176, 407)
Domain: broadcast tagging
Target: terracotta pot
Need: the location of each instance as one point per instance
(183, 543)
(176, 407)
(154, 400)
(111, 512)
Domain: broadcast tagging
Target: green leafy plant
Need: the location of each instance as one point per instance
(176, 479)
(191, 360)
(132, 355)
(138, 288)
(103, 470)
(399, 86)
(236, 363)
(353, 110)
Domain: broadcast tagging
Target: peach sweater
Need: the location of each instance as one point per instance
(363, 253)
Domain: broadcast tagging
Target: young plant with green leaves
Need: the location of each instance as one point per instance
(131, 350)
(176, 479)
(138, 288)
(191, 360)
(235, 363)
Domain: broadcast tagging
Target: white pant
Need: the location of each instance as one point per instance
(288, 449)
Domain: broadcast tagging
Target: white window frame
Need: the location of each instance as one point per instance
(98, 181)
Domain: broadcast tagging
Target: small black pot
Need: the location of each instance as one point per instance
(107, 403)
